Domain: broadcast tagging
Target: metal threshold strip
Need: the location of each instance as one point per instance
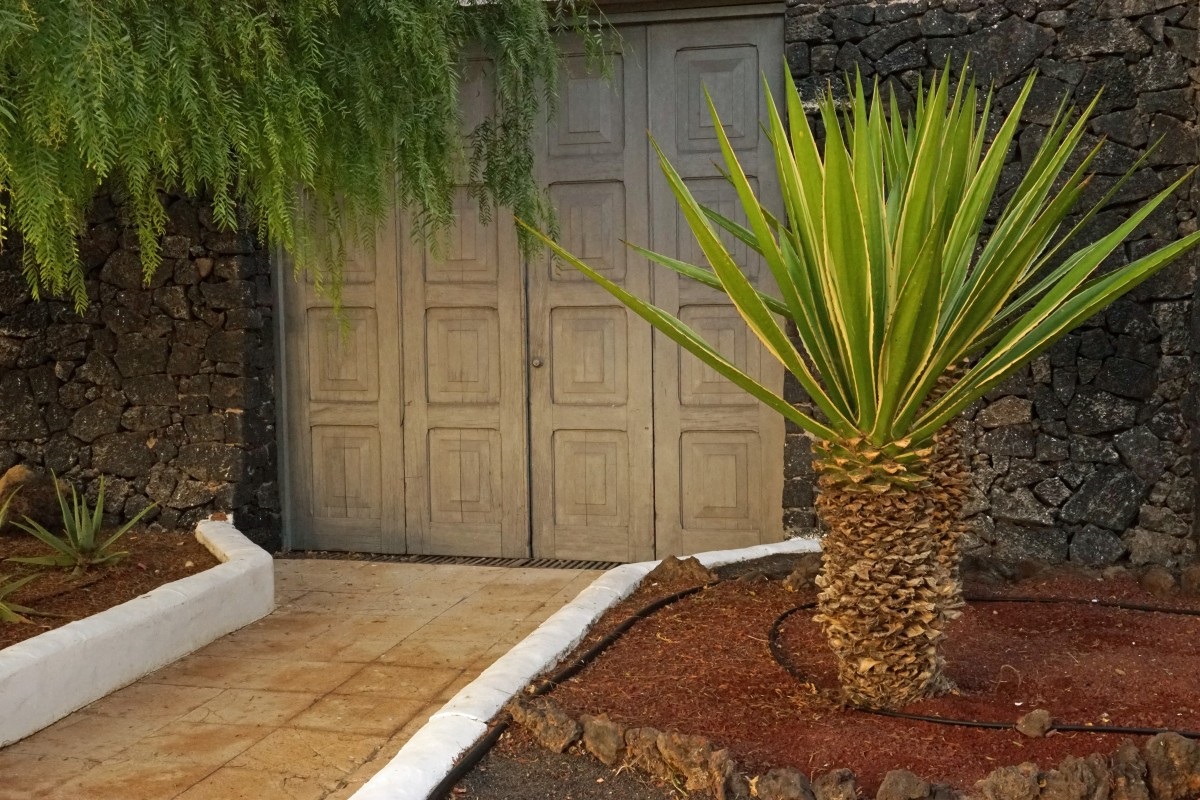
(469, 561)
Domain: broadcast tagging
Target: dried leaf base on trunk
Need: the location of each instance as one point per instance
(889, 579)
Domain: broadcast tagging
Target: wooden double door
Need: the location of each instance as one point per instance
(488, 405)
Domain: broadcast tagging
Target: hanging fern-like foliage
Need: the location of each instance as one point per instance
(315, 116)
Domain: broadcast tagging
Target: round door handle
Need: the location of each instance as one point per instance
(537, 362)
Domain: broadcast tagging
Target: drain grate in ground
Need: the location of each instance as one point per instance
(470, 561)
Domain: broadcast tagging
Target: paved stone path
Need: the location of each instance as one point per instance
(307, 703)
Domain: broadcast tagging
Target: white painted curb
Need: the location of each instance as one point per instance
(44, 678)
(432, 751)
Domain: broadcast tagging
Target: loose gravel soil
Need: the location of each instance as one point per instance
(703, 666)
(154, 558)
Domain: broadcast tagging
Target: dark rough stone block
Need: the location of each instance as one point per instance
(823, 57)
(1000, 53)
(1092, 411)
(910, 55)
(229, 294)
(123, 454)
(1016, 543)
(1013, 440)
(1143, 453)
(124, 270)
(1052, 492)
(937, 22)
(19, 415)
(1020, 506)
(1112, 75)
(1051, 449)
(1180, 141)
(850, 60)
(1112, 9)
(1161, 71)
(95, 420)
(1096, 547)
(151, 390)
(140, 355)
(806, 27)
(227, 346)
(1103, 38)
(1008, 410)
(205, 428)
(848, 30)
(878, 44)
(211, 462)
(146, 418)
(1125, 378)
(898, 10)
(798, 60)
(1023, 472)
(1110, 498)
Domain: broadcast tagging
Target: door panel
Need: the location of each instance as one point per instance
(718, 453)
(344, 399)
(466, 473)
(589, 383)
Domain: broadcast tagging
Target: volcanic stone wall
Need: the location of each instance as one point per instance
(1088, 454)
(166, 390)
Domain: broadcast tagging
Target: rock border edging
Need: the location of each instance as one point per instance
(45, 678)
(432, 751)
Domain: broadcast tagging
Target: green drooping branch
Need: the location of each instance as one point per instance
(315, 116)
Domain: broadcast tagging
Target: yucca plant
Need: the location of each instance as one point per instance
(80, 546)
(906, 312)
(9, 611)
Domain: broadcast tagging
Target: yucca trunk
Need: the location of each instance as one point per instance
(889, 576)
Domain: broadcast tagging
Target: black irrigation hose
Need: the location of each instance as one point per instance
(477, 751)
(781, 658)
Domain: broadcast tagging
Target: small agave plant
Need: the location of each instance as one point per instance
(80, 545)
(907, 309)
(10, 611)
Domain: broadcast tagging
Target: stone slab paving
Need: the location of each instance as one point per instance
(305, 704)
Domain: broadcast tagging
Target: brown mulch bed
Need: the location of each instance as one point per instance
(154, 558)
(703, 666)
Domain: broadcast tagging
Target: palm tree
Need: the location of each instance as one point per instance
(906, 311)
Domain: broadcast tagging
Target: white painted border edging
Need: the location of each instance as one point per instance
(429, 755)
(44, 678)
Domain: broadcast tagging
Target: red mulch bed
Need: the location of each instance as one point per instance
(154, 558)
(703, 666)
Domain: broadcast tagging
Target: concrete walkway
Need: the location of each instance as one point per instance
(306, 704)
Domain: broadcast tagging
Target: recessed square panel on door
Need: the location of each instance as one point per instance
(722, 473)
(343, 363)
(346, 470)
(718, 195)
(588, 347)
(591, 218)
(591, 114)
(463, 347)
(591, 494)
(731, 77)
(465, 476)
(468, 251)
(722, 327)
